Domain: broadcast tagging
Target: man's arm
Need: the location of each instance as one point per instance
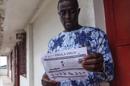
(108, 66)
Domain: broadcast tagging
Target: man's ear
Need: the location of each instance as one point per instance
(78, 11)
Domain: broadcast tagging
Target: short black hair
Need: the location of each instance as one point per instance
(75, 1)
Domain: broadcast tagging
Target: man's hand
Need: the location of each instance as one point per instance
(47, 82)
(93, 62)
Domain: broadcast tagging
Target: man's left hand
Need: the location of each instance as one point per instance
(93, 62)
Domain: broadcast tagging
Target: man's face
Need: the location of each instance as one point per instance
(68, 14)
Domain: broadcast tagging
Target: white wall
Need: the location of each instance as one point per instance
(99, 14)
(87, 16)
(23, 81)
(48, 25)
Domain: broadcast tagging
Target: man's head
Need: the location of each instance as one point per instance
(69, 11)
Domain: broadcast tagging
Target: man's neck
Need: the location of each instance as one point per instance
(73, 29)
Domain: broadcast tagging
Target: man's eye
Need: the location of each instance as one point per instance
(72, 11)
(62, 12)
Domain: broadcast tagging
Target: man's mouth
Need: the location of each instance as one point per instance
(68, 22)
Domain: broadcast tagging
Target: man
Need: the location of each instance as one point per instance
(98, 62)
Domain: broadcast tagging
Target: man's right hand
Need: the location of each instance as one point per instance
(47, 82)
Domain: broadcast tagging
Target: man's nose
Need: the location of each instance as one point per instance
(67, 15)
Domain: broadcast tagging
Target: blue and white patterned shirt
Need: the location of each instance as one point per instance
(96, 41)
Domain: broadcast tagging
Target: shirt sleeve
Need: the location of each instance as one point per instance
(108, 66)
(73, 83)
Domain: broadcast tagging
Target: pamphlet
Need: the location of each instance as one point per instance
(65, 65)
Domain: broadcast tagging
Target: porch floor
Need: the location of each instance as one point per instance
(5, 81)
